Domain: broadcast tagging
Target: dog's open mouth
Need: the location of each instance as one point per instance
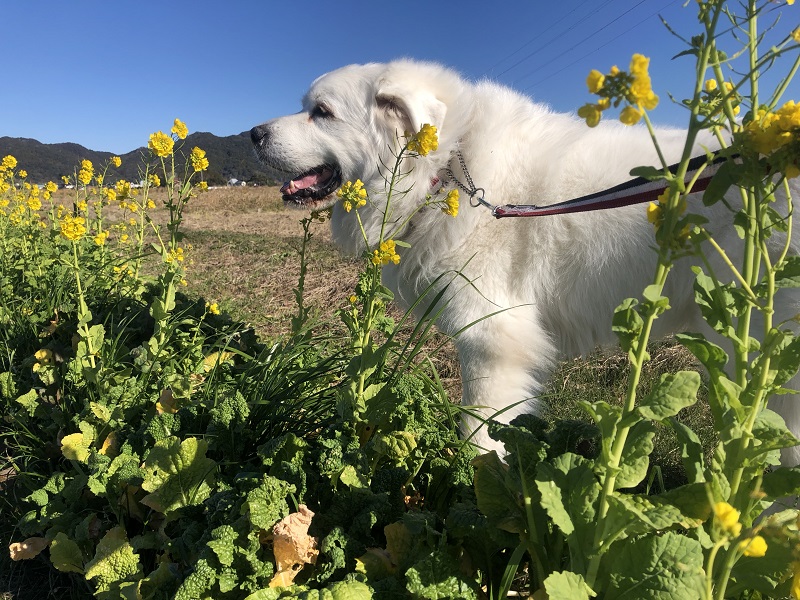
(312, 187)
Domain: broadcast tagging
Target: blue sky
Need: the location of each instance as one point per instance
(105, 74)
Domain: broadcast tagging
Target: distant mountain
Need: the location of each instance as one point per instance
(229, 157)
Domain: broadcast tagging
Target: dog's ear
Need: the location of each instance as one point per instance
(414, 107)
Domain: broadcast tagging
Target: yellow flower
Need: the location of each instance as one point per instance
(34, 203)
(654, 213)
(9, 162)
(199, 160)
(123, 189)
(73, 228)
(203, 185)
(630, 115)
(84, 176)
(639, 64)
(755, 547)
(116, 161)
(727, 518)
(385, 254)
(424, 141)
(353, 195)
(451, 203)
(590, 112)
(711, 85)
(796, 35)
(86, 165)
(23, 173)
(161, 144)
(641, 92)
(100, 238)
(213, 308)
(795, 589)
(154, 180)
(595, 81)
(51, 187)
(179, 128)
(81, 205)
(174, 255)
(150, 203)
(44, 356)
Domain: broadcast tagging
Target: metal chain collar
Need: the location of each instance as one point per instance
(474, 199)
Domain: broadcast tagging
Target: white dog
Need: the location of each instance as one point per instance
(559, 277)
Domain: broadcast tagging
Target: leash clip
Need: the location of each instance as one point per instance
(475, 200)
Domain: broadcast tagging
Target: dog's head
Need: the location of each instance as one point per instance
(352, 120)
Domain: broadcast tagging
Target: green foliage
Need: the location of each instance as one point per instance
(157, 444)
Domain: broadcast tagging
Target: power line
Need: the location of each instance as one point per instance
(577, 60)
(535, 38)
(556, 36)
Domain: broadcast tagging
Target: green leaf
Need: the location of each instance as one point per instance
(568, 492)
(438, 577)
(114, 560)
(788, 273)
(717, 303)
(567, 586)
(177, 474)
(783, 349)
(709, 354)
(221, 542)
(76, 446)
(397, 446)
(29, 401)
(662, 567)
(631, 515)
(266, 505)
(352, 478)
(729, 174)
(769, 433)
(8, 387)
(349, 590)
(627, 324)
(65, 554)
(495, 500)
(674, 392)
(636, 456)
(652, 293)
(607, 418)
(781, 482)
(691, 450)
(649, 173)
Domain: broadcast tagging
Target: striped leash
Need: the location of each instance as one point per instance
(635, 191)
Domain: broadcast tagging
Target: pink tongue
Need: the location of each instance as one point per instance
(301, 183)
(306, 181)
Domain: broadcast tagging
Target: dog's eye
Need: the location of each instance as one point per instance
(320, 111)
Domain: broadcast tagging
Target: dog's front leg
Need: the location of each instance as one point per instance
(504, 362)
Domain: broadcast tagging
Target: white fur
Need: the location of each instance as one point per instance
(556, 279)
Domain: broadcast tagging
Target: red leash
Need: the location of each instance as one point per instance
(635, 191)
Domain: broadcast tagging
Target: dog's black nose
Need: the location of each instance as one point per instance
(257, 134)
